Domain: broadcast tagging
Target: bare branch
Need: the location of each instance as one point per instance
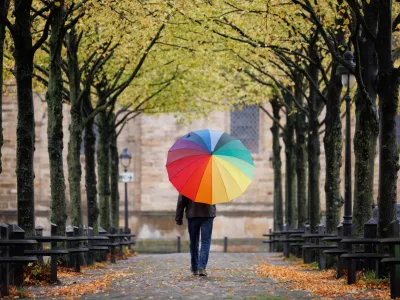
(45, 33)
(271, 116)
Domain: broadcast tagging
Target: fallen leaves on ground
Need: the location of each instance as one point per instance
(37, 274)
(95, 266)
(15, 293)
(324, 283)
(91, 287)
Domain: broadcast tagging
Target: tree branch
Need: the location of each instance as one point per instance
(45, 33)
(271, 117)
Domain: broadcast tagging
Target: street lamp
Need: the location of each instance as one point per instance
(125, 159)
(348, 81)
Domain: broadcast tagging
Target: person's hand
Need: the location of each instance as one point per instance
(179, 222)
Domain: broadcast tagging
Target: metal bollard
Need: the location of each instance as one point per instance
(69, 231)
(39, 246)
(77, 246)
(120, 240)
(178, 244)
(103, 255)
(90, 254)
(4, 268)
(113, 232)
(225, 244)
(17, 275)
(129, 238)
(53, 259)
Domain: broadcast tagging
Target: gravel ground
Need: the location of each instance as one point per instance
(168, 276)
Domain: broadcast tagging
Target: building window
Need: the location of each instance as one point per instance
(245, 126)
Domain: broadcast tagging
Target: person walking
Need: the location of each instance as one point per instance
(200, 217)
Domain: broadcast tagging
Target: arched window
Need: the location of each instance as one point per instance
(245, 126)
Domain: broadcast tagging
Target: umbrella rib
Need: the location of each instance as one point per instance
(186, 165)
(186, 182)
(217, 154)
(234, 157)
(226, 192)
(228, 173)
(203, 156)
(191, 155)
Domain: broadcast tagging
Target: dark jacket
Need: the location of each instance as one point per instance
(193, 209)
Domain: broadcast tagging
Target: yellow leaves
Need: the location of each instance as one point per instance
(324, 283)
(57, 3)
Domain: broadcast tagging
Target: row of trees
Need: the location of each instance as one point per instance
(109, 62)
(287, 53)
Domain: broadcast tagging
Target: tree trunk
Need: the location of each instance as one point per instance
(103, 168)
(90, 173)
(333, 140)
(23, 55)
(333, 152)
(276, 161)
(313, 146)
(290, 201)
(114, 176)
(3, 14)
(367, 126)
(75, 129)
(388, 85)
(301, 158)
(55, 124)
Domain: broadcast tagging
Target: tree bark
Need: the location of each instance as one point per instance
(103, 167)
(313, 146)
(333, 143)
(367, 126)
(90, 172)
(3, 14)
(75, 129)
(301, 158)
(290, 201)
(388, 85)
(114, 175)
(55, 122)
(277, 165)
(333, 151)
(23, 55)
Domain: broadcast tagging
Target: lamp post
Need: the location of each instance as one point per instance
(348, 81)
(125, 159)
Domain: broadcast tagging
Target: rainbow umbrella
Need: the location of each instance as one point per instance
(210, 166)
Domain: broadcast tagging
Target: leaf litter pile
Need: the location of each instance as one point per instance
(94, 279)
(324, 283)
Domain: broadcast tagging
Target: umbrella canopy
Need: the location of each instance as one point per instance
(210, 166)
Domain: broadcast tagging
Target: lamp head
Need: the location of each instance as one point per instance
(348, 79)
(125, 158)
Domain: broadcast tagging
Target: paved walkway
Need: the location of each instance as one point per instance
(167, 276)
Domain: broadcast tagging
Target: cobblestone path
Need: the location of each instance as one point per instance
(167, 276)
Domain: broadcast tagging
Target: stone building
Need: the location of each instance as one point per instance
(152, 198)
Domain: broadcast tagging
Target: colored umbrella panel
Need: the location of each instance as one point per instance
(210, 166)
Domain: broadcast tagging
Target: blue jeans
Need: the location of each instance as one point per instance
(196, 227)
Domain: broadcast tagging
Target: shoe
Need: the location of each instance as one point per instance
(195, 273)
(203, 272)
